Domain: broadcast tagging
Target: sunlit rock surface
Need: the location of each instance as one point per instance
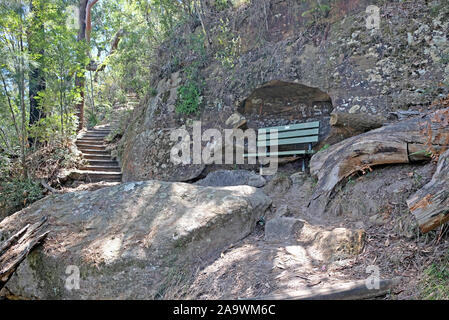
(131, 241)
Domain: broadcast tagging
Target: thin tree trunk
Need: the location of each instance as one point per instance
(23, 137)
(13, 115)
(83, 35)
(79, 77)
(89, 6)
(200, 13)
(61, 106)
(37, 80)
(5, 139)
(92, 91)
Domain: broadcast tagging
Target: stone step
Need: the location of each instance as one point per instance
(95, 152)
(84, 147)
(91, 143)
(100, 165)
(97, 176)
(99, 132)
(102, 132)
(92, 136)
(89, 156)
(96, 134)
(98, 141)
(99, 129)
(104, 163)
(88, 137)
(102, 169)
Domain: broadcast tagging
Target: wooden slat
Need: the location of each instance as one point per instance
(281, 153)
(281, 142)
(290, 134)
(307, 125)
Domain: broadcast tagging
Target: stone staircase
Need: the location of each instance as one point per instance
(100, 165)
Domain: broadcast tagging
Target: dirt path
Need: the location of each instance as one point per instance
(256, 267)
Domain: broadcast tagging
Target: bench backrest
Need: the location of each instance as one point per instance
(301, 133)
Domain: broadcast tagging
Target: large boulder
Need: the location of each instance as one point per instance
(131, 241)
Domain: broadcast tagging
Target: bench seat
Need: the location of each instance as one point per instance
(302, 134)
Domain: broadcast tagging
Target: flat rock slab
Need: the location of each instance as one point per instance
(130, 241)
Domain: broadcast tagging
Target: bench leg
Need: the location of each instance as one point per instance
(303, 165)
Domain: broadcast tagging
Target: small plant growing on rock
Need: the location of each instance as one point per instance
(326, 146)
(189, 98)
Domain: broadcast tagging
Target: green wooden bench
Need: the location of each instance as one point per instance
(297, 137)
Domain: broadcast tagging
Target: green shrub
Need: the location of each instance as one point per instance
(189, 94)
(189, 98)
(18, 193)
(228, 44)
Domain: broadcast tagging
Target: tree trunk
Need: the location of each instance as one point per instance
(36, 85)
(83, 35)
(430, 205)
(37, 80)
(80, 84)
(393, 144)
(24, 133)
(80, 76)
(89, 6)
(200, 11)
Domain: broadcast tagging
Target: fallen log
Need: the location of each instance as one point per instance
(14, 250)
(357, 122)
(430, 205)
(347, 125)
(387, 145)
(356, 290)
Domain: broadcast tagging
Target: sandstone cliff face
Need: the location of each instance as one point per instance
(131, 241)
(288, 66)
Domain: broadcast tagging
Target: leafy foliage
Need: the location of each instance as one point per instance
(17, 193)
(228, 44)
(189, 94)
(35, 36)
(188, 98)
